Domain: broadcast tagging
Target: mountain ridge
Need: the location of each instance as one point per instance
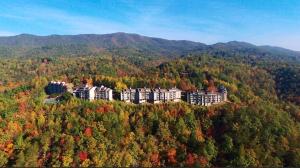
(134, 34)
(128, 44)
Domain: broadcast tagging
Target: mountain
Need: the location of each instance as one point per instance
(92, 43)
(124, 44)
(251, 53)
(257, 127)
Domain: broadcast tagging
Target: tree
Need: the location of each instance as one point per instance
(31, 155)
(210, 150)
(88, 132)
(3, 159)
(172, 156)
(20, 162)
(120, 86)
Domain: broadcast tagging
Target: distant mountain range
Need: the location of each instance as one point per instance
(124, 44)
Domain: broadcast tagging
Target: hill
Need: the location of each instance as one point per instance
(28, 45)
(258, 127)
(123, 44)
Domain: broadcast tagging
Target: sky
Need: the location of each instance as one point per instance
(261, 22)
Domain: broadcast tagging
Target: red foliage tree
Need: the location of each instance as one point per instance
(211, 86)
(203, 161)
(22, 107)
(62, 141)
(209, 132)
(155, 159)
(121, 73)
(172, 156)
(184, 85)
(88, 132)
(83, 155)
(190, 159)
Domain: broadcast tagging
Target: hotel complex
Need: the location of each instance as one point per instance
(58, 87)
(204, 98)
(93, 93)
(141, 95)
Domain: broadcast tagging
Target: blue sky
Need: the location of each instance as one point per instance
(262, 22)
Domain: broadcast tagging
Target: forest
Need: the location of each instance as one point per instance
(259, 127)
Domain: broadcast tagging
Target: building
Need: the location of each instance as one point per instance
(165, 95)
(174, 95)
(128, 95)
(205, 98)
(143, 95)
(104, 93)
(93, 93)
(137, 96)
(85, 92)
(58, 88)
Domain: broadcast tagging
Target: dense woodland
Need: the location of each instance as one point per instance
(260, 126)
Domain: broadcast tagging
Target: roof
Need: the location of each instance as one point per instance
(83, 88)
(102, 88)
(129, 90)
(143, 89)
(57, 83)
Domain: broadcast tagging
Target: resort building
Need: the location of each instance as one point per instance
(58, 88)
(85, 92)
(143, 95)
(104, 93)
(93, 93)
(205, 98)
(128, 95)
(165, 95)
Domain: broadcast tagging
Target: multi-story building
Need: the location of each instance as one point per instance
(165, 95)
(174, 95)
(143, 95)
(85, 92)
(58, 88)
(128, 95)
(93, 93)
(104, 93)
(207, 98)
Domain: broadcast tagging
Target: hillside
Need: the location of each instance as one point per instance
(124, 44)
(258, 127)
(28, 45)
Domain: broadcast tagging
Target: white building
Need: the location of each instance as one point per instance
(128, 95)
(85, 92)
(207, 98)
(165, 95)
(104, 93)
(93, 93)
(143, 95)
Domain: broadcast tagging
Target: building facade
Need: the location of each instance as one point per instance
(165, 95)
(143, 95)
(93, 93)
(204, 98)
(146, 95)
(58, 88)
(104, 93)
(128, 95)
(85, 92)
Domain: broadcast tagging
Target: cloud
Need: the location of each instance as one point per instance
(149, 21)
(55, 20)
(286, 41)
(74, 24)
(7, 33)
(11, 16)
(153, 20)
